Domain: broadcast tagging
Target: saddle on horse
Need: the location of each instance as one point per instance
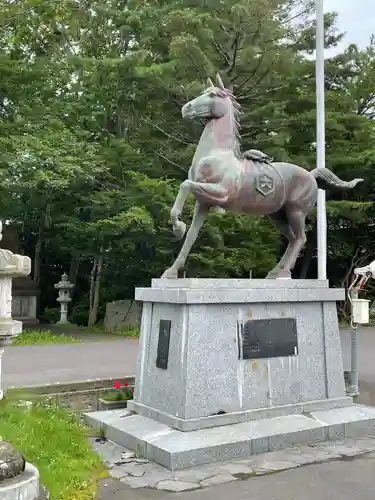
(255, 155)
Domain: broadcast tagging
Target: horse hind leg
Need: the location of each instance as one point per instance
(296, 219)
(281, 223)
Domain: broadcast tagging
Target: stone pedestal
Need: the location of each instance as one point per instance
(229, 368)
(25, 296)
(25, 486)
(205, 376)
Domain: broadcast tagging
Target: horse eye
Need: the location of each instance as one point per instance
(212, 94)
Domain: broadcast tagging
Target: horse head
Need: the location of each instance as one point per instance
(214, 102)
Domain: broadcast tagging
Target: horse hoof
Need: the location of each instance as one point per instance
(218, 210)
(272, 274)
(279, 274)
(179, 230)
(169, 274)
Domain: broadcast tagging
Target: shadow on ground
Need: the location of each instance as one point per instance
(367, 393)
(113, 489)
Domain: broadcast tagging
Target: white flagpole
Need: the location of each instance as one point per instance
(320, 141)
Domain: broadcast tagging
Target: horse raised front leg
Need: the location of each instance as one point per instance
(199, 217)
(179, 227)
(211, 193)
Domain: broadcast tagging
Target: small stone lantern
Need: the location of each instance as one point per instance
(64, 287)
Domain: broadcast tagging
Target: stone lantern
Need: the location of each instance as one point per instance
(18, 479)
(64, 287)
(11, 266)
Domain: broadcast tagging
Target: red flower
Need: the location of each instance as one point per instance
(132, 389)
(116, 384)
(126, 384)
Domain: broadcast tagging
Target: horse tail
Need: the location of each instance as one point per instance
(327, 179)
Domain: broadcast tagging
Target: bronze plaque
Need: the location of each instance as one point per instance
(163, 344)
(267, 338)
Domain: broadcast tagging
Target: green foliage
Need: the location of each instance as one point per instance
(121, 392)
(116, 396)
(80, 312)
(55, 442)
(232, 246)
(50, 315)
(93, 146)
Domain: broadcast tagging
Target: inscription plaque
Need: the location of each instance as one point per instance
(163, 344)
(267, 338)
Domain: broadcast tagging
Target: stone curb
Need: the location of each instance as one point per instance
(73, 387)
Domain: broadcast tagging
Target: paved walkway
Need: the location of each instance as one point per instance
(352, 479)
(47, 364)
(100, 358)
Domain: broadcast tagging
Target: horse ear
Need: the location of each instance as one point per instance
(210, 83)
(219, 81)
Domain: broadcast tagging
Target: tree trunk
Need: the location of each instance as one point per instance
(92, 285)
(73, 270)
(39, 246)
(75, 262)
(95, 291)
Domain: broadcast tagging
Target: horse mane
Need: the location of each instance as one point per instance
(224, 92)
(236, 122)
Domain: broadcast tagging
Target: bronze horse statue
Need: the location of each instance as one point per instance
(220, 177)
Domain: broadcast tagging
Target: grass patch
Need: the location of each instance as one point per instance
(121, 332)
(54, 441)
(41, 337)
(242, 476)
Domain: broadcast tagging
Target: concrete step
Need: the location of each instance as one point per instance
(177, 450)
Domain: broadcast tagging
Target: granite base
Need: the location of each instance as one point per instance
(193, 424)
(178, 450)
(198, 399)
(206, 377)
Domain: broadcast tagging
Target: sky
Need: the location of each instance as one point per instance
(356, 18)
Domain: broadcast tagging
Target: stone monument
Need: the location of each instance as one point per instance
(64, 288)
(221, 178)
(17, 478)
(229, 368)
